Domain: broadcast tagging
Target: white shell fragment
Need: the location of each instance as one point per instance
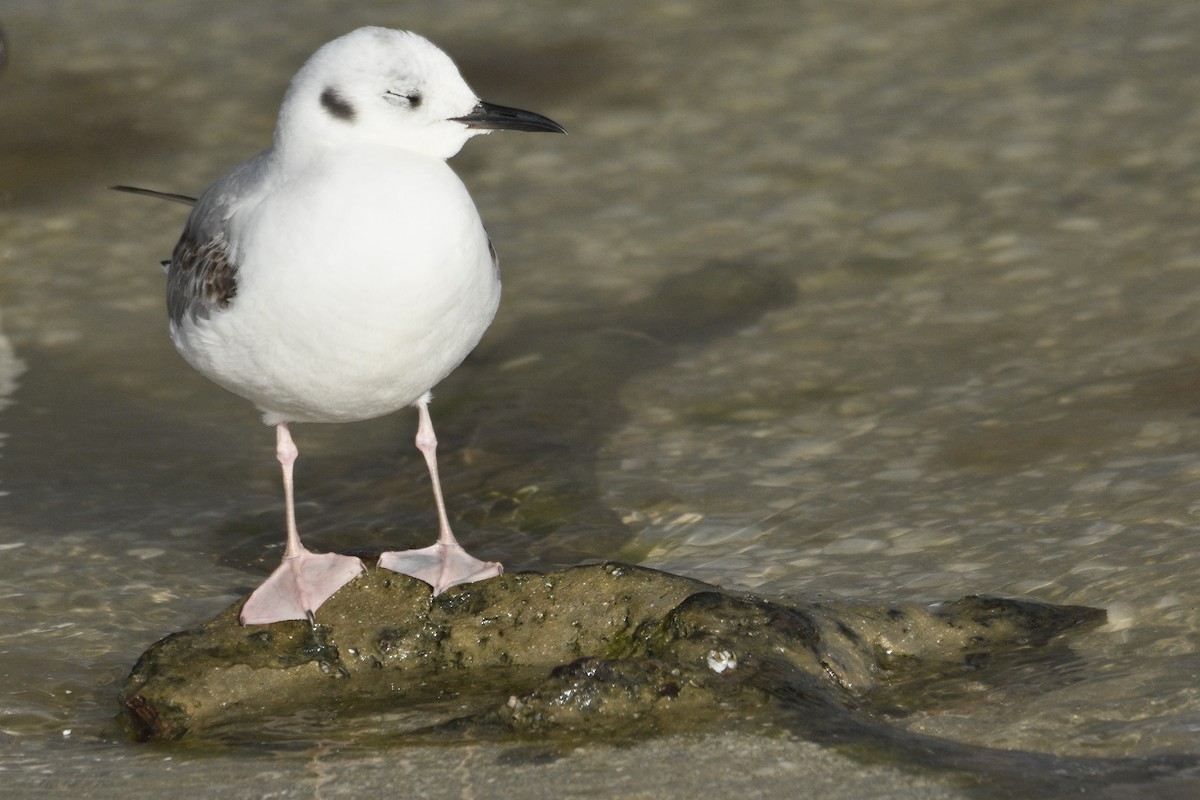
(721, 660)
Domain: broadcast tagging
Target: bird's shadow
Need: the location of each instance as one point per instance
(520, 426)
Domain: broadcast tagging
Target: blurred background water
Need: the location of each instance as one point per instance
(890, 301)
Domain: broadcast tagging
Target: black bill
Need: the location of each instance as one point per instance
(493, 117)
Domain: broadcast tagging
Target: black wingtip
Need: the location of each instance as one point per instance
(174, 198)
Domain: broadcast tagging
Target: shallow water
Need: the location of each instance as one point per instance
(891, 301)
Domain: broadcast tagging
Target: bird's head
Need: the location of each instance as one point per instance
(390, 87)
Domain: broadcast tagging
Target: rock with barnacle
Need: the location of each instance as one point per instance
(600, 648)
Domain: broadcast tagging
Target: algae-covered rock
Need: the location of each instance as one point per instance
(596, 647)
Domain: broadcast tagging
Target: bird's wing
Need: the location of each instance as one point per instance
(202, 277)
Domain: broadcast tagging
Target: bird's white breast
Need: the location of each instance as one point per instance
(363, 280)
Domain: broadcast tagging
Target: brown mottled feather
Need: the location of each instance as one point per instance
(202, 278)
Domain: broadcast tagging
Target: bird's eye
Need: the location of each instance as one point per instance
(403, 99)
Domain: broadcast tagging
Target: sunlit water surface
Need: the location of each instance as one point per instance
(890, 301)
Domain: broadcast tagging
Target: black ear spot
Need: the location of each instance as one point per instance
(337, 106)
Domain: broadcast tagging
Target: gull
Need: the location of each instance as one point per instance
(342, 273)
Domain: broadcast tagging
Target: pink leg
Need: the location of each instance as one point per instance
(427, 444)
(444, 564)
(305, 580)
(286, 452)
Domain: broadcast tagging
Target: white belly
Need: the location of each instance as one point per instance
(359, 286)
